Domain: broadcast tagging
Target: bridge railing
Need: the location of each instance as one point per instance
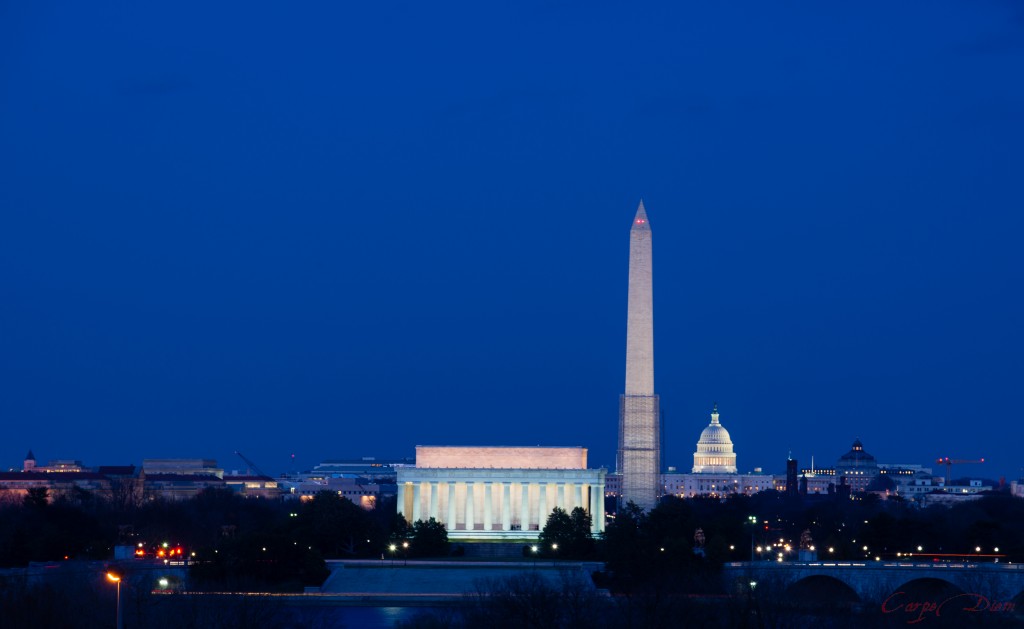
(789, 565)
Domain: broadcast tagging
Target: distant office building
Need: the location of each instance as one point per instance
(494, 493)
(613, 485)
(809, 483)
(253, 486)
(358, 490)
(715, 485)
(366, 495)
(14, 486)
(183, 467)
(954, 494)
(59, 466)
(382, 471)
(178, 486)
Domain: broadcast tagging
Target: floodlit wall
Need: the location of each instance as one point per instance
(501, 457)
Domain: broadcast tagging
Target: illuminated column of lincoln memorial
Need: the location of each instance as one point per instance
(433, 499)
(451, 505)
(417, 499)
(524, 520)
(506, 506)
(488, 504)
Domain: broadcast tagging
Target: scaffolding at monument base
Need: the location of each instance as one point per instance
(638, 458)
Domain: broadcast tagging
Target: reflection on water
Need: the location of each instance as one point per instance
(317, 616)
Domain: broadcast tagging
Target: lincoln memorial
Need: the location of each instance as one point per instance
(494, 493)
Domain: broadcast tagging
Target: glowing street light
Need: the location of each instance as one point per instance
(113, 577)
(752, 521)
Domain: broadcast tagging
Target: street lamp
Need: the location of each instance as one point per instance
(405, 553)
(752, 521)
(116, 578)
(393, 548)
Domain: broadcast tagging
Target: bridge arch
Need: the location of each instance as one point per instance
(821, 589)
(933, 587)
(1018, 606)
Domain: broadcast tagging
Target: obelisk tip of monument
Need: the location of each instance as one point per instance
(640, 220)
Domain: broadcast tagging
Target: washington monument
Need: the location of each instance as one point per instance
(639, 455)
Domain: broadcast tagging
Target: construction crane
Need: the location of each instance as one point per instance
(252, 466)
(948, 462)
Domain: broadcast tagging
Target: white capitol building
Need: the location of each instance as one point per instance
(714, 470)
(714, 453)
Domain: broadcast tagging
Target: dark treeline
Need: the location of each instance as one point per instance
(79, 526)
(640, 546)
(238, 543)
(660, 575)
(656, 565)
(886, 527)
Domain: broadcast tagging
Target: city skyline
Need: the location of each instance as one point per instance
(353, 231)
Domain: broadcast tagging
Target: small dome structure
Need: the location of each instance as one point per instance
(857, 461)
(714, 453)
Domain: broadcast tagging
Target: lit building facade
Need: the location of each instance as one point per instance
(714, 453)
(253, 486)
(714, 468)
(859, 467)
(495, 493)
(715, 485)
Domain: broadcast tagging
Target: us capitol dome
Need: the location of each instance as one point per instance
(714, 453)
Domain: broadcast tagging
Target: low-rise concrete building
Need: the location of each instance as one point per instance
(253, 486)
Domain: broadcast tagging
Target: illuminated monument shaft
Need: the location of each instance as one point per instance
(639, 455)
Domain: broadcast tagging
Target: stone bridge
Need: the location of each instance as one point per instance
(879, 581)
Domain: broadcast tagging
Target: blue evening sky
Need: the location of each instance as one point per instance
(342, 229)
